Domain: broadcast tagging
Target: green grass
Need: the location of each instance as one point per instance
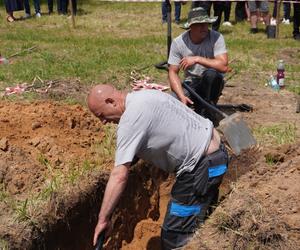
(112, 39)
(276, 134)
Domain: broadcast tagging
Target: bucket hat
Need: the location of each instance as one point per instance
(198, 15)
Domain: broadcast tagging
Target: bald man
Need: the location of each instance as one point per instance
(158, 128)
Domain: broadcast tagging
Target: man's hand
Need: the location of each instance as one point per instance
(188, 61)
(184, 99)
(101, 226)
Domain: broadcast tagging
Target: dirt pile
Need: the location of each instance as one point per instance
(45, 148)
(262, 211)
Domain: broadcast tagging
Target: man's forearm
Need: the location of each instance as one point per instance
(114, 189)
(217, 64)
(175, 84)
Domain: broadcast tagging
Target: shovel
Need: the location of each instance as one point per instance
(164, 64)
(240, 107)
(234, 128)
(100, 241)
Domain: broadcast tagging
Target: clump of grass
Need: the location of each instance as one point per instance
(22, 211)
(105, 149)
(4, 244)
(276, 134)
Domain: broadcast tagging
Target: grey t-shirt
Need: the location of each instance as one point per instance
(161, 130)
(182, 46)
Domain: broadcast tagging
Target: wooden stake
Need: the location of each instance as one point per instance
(72, 13)
(277, 17)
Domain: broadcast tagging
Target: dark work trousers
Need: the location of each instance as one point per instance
(62, 7)
(209, 86)
(74, 4)
(37, 6)
(227, 10)
(50, 6)
(218, 7)
(193, 197)
(240, 11)
(296, 18)
(287, 11)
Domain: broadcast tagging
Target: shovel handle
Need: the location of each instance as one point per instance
(100, 241)
(201, 100)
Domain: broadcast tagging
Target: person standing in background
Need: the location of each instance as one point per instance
(11, 6)
(227, 10)
(263, 8)
(296, 32)
(286, 13)
(37, 8)
(177, 13)
(218, 7)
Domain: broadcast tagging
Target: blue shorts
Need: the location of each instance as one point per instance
(263, 6)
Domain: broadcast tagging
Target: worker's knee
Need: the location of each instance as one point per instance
(172, 240)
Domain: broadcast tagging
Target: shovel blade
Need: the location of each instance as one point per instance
(237, 133)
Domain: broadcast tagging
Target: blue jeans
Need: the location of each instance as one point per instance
(37, 7)
(287, 10)
(177, 11)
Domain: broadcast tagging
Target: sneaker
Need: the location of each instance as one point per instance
(164, 21)
(27, 15)
(286, 21)
(227, 23)
(273, 21)
(38, 15)
(177, 22)
(254, 30)
(297, 37)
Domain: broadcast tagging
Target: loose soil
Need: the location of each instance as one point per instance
(53, 171)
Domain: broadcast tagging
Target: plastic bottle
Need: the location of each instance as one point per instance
(280, 73)
(3, 60)
(273, 83)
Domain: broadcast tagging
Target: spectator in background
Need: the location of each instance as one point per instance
(164, 9)
(263, 7)
(62, 7)
(242, 11)
(227, 10)
(11, 6)
(218, 7)
(286, 13)
(273, 20)
(296, 32)
(37, 8)
(50, 7)
(74, 5)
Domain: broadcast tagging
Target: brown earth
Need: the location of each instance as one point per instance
(53, 169)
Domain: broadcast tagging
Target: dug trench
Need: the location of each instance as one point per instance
(55, 161)
(53, 174)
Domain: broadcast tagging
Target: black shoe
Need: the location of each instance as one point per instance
(253, 30)
(297, 37)
(177, 21)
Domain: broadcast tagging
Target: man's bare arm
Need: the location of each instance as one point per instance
(114, 189)
(219, 63)
(176, 85)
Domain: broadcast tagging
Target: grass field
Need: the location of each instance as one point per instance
(112, 39)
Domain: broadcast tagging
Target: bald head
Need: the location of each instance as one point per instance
(106, 103)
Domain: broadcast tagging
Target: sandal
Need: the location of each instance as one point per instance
(10, 19)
